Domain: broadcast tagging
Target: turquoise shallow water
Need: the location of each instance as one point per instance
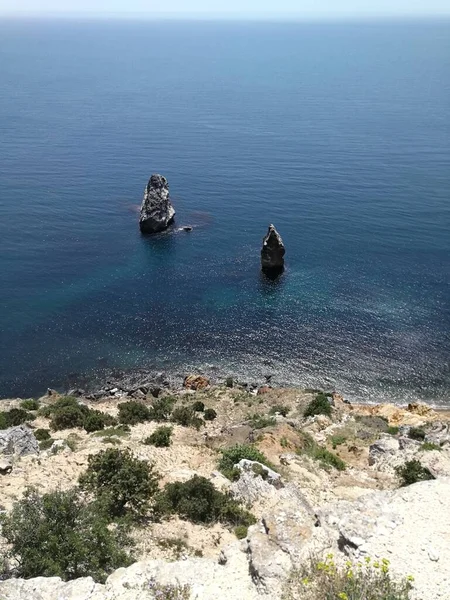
(338, 133)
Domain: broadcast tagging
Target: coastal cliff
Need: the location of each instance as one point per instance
(304, 473)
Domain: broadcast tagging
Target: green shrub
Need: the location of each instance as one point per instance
(46, 444)
(96, 420)
(162, 408)
(122, 483)
(58, 535)
(319, 453)
(412, 472)
(185, 416)
(323, 580)
(231, 456)
(14, 417)
(69, 417)
(209, 414)
(41, 434)
(133, 412)
(261, 421)
(392, 430)
(229, 382)
(161, 437)
(319, 406)
(417, 433)
(198, 501)
(198, 406)
(337, 440)
(429, 446)
(280, 409)
(241, 531)
(118, 431)
(29, 404)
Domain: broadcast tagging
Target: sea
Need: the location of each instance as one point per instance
(337, 133)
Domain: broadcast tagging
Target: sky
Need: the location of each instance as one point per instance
(229, 8)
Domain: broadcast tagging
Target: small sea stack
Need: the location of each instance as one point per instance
(272, 253)
(157, 212)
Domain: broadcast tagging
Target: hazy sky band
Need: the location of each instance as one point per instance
(230, 8)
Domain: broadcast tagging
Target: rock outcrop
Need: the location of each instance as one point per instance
(157, 212)
(272, 252)
(18, 441)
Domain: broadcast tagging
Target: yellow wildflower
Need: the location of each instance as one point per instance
(342, 596)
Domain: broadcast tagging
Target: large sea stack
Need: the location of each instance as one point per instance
(157, 212)
(272, 252)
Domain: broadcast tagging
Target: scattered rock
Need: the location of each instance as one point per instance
(381, 448)
(18, 441)
(420, 409)
(257, 469)
(59, 446)
(263, 390)
(157, 212)
(439, 434)
(196, 382)
(272, 252)
(5, 467)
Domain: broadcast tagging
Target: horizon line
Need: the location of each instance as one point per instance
(220, 17)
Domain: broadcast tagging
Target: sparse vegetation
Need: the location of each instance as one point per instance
(231, 456)
(186, 416)
(161, 437)
(428, 446)
(320, 405)
(29, 404)
(198, 501)
(169, 591)
(96, 420)
(58, 534)
(323, 580)
(261, 421)
(122, 483)
(46, 444)
(325, 457)
(241, 532)
(417, 433)
(412, 472)
(279, 409)
(392, 430)
(337, 440)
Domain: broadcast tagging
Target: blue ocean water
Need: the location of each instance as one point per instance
(339, 134)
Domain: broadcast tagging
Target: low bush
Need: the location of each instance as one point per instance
(198, 406)
(41, 434)
(122, 483)
(162, 408)
(95, 420)
(323, 580)
(198, 501)
(319, 406)
(417, 433)
(428, 446)
(412, 472)
(133, 412)
(241, 532)
(261, 421)
(392, 430)
(209, 414)
(59, 535)
(46, 444)
(337, 440)
(29, 404)
(168, 591)
(14, 417)
(185, 416)
(280, 409)
(161, 437)
(231, 456)
(312, 449)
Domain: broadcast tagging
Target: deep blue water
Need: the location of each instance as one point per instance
(339, 134)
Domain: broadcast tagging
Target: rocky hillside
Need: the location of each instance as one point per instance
(296, 476)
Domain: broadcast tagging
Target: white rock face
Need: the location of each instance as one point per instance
(410, 527)
(157, 212)
(18, 441)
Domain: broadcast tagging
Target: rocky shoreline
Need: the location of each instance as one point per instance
(333, 486)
